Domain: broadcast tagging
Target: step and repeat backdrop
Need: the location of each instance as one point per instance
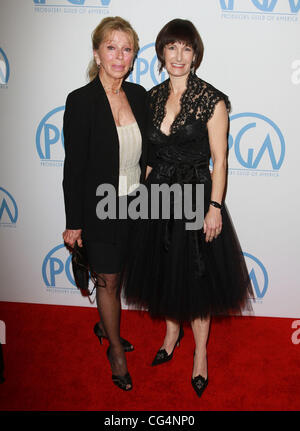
(252, 53)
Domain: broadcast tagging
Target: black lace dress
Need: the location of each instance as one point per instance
(172, 271)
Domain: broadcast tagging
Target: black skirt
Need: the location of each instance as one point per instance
(176, 274)
(110, 258)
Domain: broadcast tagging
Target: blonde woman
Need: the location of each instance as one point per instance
(103, 130)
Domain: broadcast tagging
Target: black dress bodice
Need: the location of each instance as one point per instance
(184, 154)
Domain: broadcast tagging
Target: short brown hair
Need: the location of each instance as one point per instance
(179, 30)
(106, 26)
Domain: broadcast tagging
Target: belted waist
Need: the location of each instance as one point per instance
(183, 172)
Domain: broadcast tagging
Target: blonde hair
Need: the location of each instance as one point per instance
(106, 26)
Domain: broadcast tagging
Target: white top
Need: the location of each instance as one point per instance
(130, 145)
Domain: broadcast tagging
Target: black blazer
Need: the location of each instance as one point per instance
(92, 154)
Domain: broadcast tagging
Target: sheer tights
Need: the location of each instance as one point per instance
(109, 308)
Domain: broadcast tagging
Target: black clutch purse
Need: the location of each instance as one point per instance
(81, 270)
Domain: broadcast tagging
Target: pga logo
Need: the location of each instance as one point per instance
(57, 267)
(258, 275)
(4, 68)
(146, 68)
(263, 6)
(255, 142)
(8, 208)
(49, 136)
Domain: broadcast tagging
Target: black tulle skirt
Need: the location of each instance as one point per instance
(183, 277)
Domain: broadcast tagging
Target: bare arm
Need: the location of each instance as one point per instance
(217, 133)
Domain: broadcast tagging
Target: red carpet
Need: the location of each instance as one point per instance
(53, 361)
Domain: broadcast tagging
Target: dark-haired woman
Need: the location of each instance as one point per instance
(178, 274)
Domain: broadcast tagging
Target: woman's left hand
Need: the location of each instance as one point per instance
(212, 224)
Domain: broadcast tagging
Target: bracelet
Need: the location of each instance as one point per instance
(216, 204)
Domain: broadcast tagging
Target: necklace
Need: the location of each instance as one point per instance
(117, 91)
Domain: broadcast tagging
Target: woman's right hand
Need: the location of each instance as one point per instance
(70, 236)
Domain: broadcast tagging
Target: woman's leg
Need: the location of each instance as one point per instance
(102, 282)
(200, 329)
(109, 307)
(172, 333)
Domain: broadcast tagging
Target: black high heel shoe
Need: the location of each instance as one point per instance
(127, 346)
(199, 384)
(162, 355)
(121, 381)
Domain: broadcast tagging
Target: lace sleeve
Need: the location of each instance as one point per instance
(211, 96)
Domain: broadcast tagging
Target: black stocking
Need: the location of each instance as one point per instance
(109, 307)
